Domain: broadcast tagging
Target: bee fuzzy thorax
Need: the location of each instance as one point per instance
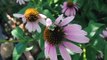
(31, 14)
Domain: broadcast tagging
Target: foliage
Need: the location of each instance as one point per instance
(92, 16)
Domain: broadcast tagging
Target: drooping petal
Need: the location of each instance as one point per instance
(67, 20)
(76, 7)
(74, 12)
(71, 12)
(24, 20)
(57, 21)
(53, 54)
(42, 21)
(105, 33)
(47, 49)
(64, 4)
(79, 39)
(28, 26)
(31, 26)
(64, 10)
(67, 12)
(102, 36)
(18, 15)
(72, 27)
(48, 22)
(72, 47)
(64, 53)
(42, 16)
(38, 28)
(50, 51)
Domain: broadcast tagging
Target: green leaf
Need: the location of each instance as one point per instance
(48, 14)
(90, 53)
(18, 50)
(75, 1)
(18, 33)
(41, 55)
(39, 37)
(92, 28)
(76, 56)
(105, 53)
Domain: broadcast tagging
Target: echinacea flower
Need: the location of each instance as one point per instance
(32, 18)
(104, 34)
(69, 8)
(21, 1)
(59, 35)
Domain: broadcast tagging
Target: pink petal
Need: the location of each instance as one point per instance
(105, 33)
(57, 21)
(64, 53)
(48, 22)
(102, 36)
(42, 16)
(50, 51)
(31, 26)
(24, 20)
(76, 32)
(42, 21)
(38, 28)
(18, 15)
(64, 9)
(67, 20)
(74, 12)
(72, 47)
(64, 4)
(76, 7)
(72, 27)
(79, 39)
(67, 12)
(71, 12)
(47, 49)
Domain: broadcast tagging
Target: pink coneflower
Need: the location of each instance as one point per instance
(32, 17)
(21, 1)
(61, 36)
(104, 33)
(69, 8)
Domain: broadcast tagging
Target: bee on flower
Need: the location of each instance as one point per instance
(59, 34)
(32, 18)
